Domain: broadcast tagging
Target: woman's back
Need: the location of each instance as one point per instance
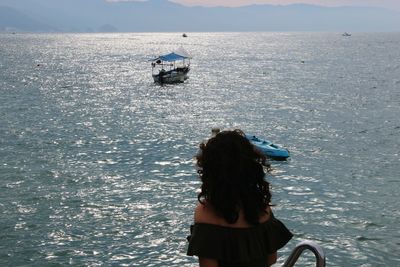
(234, 225)
(220, 244)
(205, 213)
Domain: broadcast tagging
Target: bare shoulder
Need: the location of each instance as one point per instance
(204, 213)
(267, 215)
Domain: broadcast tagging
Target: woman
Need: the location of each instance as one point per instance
(234, 225)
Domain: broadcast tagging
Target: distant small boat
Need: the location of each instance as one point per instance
(171, 68)
(184, 35)
(346, 34)
(268, 148)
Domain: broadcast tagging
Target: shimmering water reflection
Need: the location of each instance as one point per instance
(97, 161)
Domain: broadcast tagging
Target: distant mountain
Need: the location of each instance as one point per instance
(162, 15)
(14, 20)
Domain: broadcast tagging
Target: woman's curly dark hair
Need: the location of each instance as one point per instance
(232, 175)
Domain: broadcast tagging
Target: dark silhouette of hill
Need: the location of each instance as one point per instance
(14, 20)
(162, 15)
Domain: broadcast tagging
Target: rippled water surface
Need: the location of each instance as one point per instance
(96, 160)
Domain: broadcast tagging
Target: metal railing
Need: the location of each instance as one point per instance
(298, 250)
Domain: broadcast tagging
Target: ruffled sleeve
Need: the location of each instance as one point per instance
(238, 244)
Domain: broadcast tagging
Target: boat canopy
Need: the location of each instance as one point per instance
(179, 54)
(170, 57)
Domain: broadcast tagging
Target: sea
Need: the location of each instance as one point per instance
(97, 161)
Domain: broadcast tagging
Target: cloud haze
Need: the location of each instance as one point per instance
(391, 4)
(165, 16)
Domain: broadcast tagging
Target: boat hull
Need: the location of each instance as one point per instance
(268, 148)
(173, 76)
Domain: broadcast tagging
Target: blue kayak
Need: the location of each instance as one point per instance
(268, 148)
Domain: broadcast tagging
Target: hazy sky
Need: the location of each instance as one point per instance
(391, 4)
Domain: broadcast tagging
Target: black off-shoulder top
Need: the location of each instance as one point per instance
(238, 247)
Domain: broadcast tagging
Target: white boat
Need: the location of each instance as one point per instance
(171, 68)
(346, 34)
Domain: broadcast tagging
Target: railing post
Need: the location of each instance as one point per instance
(298, 250)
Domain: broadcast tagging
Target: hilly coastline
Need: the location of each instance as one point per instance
(165, 16)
